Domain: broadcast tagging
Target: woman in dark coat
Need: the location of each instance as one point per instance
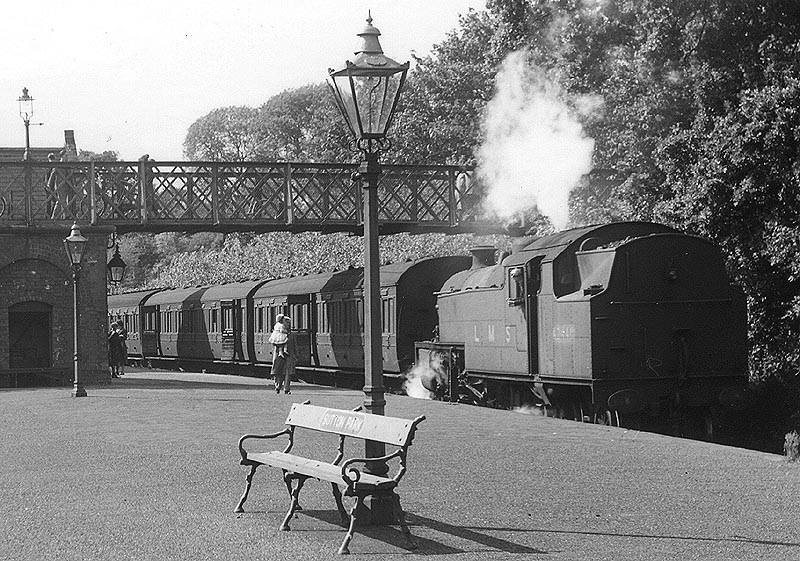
(116, 350)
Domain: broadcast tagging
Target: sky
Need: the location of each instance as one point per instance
(132, 77)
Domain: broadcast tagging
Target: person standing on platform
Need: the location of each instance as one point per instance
(115, 350)
(284, 361)
(123, 334)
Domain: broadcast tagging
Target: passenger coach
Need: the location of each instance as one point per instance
(127, 309)
(231, 323)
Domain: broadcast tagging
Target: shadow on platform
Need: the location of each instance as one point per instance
(392, 535)
(730, 540)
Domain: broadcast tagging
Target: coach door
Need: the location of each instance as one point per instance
(29, 330)
(229, 331)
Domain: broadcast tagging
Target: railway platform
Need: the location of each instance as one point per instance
(147, 468)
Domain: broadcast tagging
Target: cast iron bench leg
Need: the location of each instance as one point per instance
(295, 503)
(402, 517)
(337, 494)
(287, 478)
(353, 515)
(240, 506)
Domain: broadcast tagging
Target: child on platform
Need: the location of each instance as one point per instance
(279, 336)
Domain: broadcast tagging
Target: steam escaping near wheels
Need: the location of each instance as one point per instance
(426, 380)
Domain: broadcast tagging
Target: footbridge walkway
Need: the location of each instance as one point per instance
(150, 196)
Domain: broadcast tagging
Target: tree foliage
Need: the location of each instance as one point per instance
(300, 124)
(743, 190)
(225, 134)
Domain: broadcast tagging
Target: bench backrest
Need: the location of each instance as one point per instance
(378, 428)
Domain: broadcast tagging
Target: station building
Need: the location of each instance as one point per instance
(36, 299)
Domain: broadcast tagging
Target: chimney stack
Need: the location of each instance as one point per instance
(69, 143)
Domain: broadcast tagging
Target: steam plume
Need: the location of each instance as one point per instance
(534, 150)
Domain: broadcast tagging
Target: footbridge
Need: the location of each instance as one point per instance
(151, 196)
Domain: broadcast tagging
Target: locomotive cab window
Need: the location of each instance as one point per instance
(516, 286)
(523, 281)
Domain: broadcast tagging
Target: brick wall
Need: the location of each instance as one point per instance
(34, 268)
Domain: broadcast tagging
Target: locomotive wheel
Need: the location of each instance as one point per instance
(606, 417)
(602, 417)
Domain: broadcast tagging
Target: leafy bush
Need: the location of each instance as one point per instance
(282, 254)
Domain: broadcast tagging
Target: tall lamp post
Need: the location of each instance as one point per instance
(75, 245)
(366, 91)
(26, 112)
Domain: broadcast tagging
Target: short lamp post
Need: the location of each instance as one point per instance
(366, 91)
(26, 112)
(75, 245)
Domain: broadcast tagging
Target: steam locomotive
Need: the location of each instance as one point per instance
(631, 320)
(613, 323)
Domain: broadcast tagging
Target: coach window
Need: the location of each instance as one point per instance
(302, 316)
(351, 325)
(227, 318)
(299, 313)
(387, 315)
(214, 321)
(320, 317)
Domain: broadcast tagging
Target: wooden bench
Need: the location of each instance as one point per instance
(357, 483)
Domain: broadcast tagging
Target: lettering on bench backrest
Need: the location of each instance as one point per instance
(343, 421)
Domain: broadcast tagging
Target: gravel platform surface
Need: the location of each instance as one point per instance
(148, 468)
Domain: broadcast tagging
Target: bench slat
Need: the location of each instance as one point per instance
(378, 428)
(314, 468)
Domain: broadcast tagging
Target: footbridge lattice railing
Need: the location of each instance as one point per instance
(223, 196)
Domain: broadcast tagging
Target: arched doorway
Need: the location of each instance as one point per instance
(30, 334)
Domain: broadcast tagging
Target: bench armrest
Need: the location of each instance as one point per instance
(287, 431)
(351, 475)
